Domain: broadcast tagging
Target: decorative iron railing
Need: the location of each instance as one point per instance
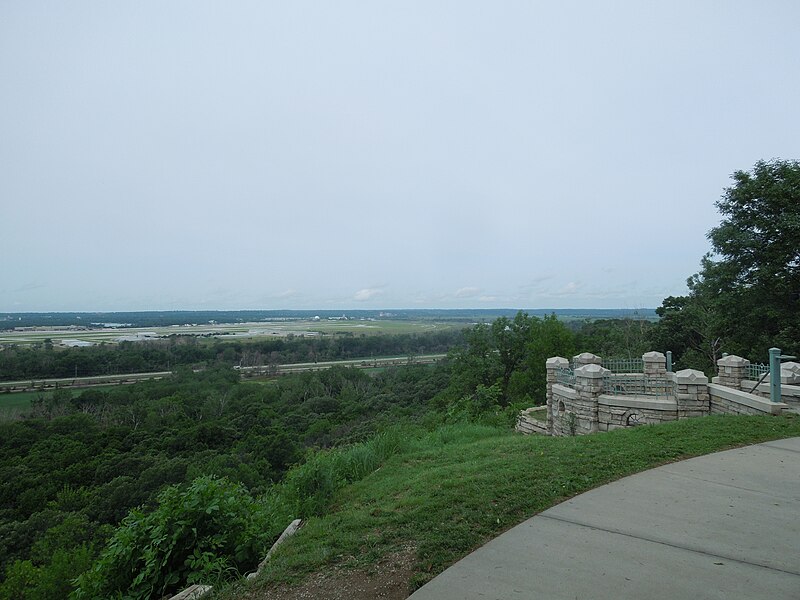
(755, 372)
(565, 376)
(624, 365)
(638, 384)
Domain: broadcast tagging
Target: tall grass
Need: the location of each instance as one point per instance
(310, 487)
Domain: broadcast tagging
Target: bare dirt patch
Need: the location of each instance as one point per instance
(388, 579)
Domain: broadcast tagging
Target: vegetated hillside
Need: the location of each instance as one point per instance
(444, 493)
(218, 467)
(73, 470)
(70, 472)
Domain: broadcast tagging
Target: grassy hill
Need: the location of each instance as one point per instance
(447, 492)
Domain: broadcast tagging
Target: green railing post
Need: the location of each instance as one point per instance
(669, 361)
(775, 374)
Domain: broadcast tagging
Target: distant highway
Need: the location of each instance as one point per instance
(31, 385)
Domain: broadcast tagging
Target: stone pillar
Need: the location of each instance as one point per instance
(692, 394)
(586, 358)
(589, 385)
(655, 364)
(552, 366)
(655, 374)
(732, 370)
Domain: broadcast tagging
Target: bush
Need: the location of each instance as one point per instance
(210, 531)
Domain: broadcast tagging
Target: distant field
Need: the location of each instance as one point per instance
(19, 400)
(228, 331)
(110, 327)
(22, 400)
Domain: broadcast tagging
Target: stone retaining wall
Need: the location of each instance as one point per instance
(616, 412)
(528, 424)
(582, 407)
(729, 401)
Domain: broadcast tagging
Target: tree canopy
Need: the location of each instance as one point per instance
(746, 297)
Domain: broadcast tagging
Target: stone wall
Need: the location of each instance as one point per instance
(563, 402)
(728, 401)
(616, 412)
(527, 423)
(573, 410)
(579, 405)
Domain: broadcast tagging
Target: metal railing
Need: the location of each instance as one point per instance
(565, 376)
(638, 384)
(756, 371)
(624, 365)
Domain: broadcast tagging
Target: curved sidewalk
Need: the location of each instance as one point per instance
(722, 526)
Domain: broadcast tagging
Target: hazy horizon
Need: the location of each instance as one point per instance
(262, 155)
(352, 309)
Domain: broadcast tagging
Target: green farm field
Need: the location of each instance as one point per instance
(21, 401)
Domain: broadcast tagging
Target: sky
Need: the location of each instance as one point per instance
(415, 154)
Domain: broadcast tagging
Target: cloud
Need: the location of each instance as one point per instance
(287, 294)
(487, 298)
(366, 294)
(467, 292)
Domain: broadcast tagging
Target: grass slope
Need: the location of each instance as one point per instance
(460, 486)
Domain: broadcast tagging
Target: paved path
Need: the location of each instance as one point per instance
(723, 526)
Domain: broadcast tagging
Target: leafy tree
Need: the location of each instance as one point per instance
(746, 297)
(507, 357)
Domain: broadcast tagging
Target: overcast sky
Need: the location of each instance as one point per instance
(232, 155)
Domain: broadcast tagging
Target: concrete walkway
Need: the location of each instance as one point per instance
(723, 526)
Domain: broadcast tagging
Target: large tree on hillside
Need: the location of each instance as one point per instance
(746, 297)
(509, 357)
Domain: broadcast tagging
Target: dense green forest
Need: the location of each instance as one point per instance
(72, 470)
(135, 491)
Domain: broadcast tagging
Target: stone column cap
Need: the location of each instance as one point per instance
(790, 373)
(653, 356)
(792, 367)
(586, 357)
(556, 362)
(691, 376)
(733, 361)
(591, 371)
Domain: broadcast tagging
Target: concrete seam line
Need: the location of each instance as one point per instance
(663, 543)
(729, 485)
(768, 445)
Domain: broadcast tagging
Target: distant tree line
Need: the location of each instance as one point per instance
(45, 361)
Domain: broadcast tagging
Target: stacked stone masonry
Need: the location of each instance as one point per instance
(527, 423)
(583, 407)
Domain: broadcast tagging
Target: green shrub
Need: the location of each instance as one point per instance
(207, 532)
